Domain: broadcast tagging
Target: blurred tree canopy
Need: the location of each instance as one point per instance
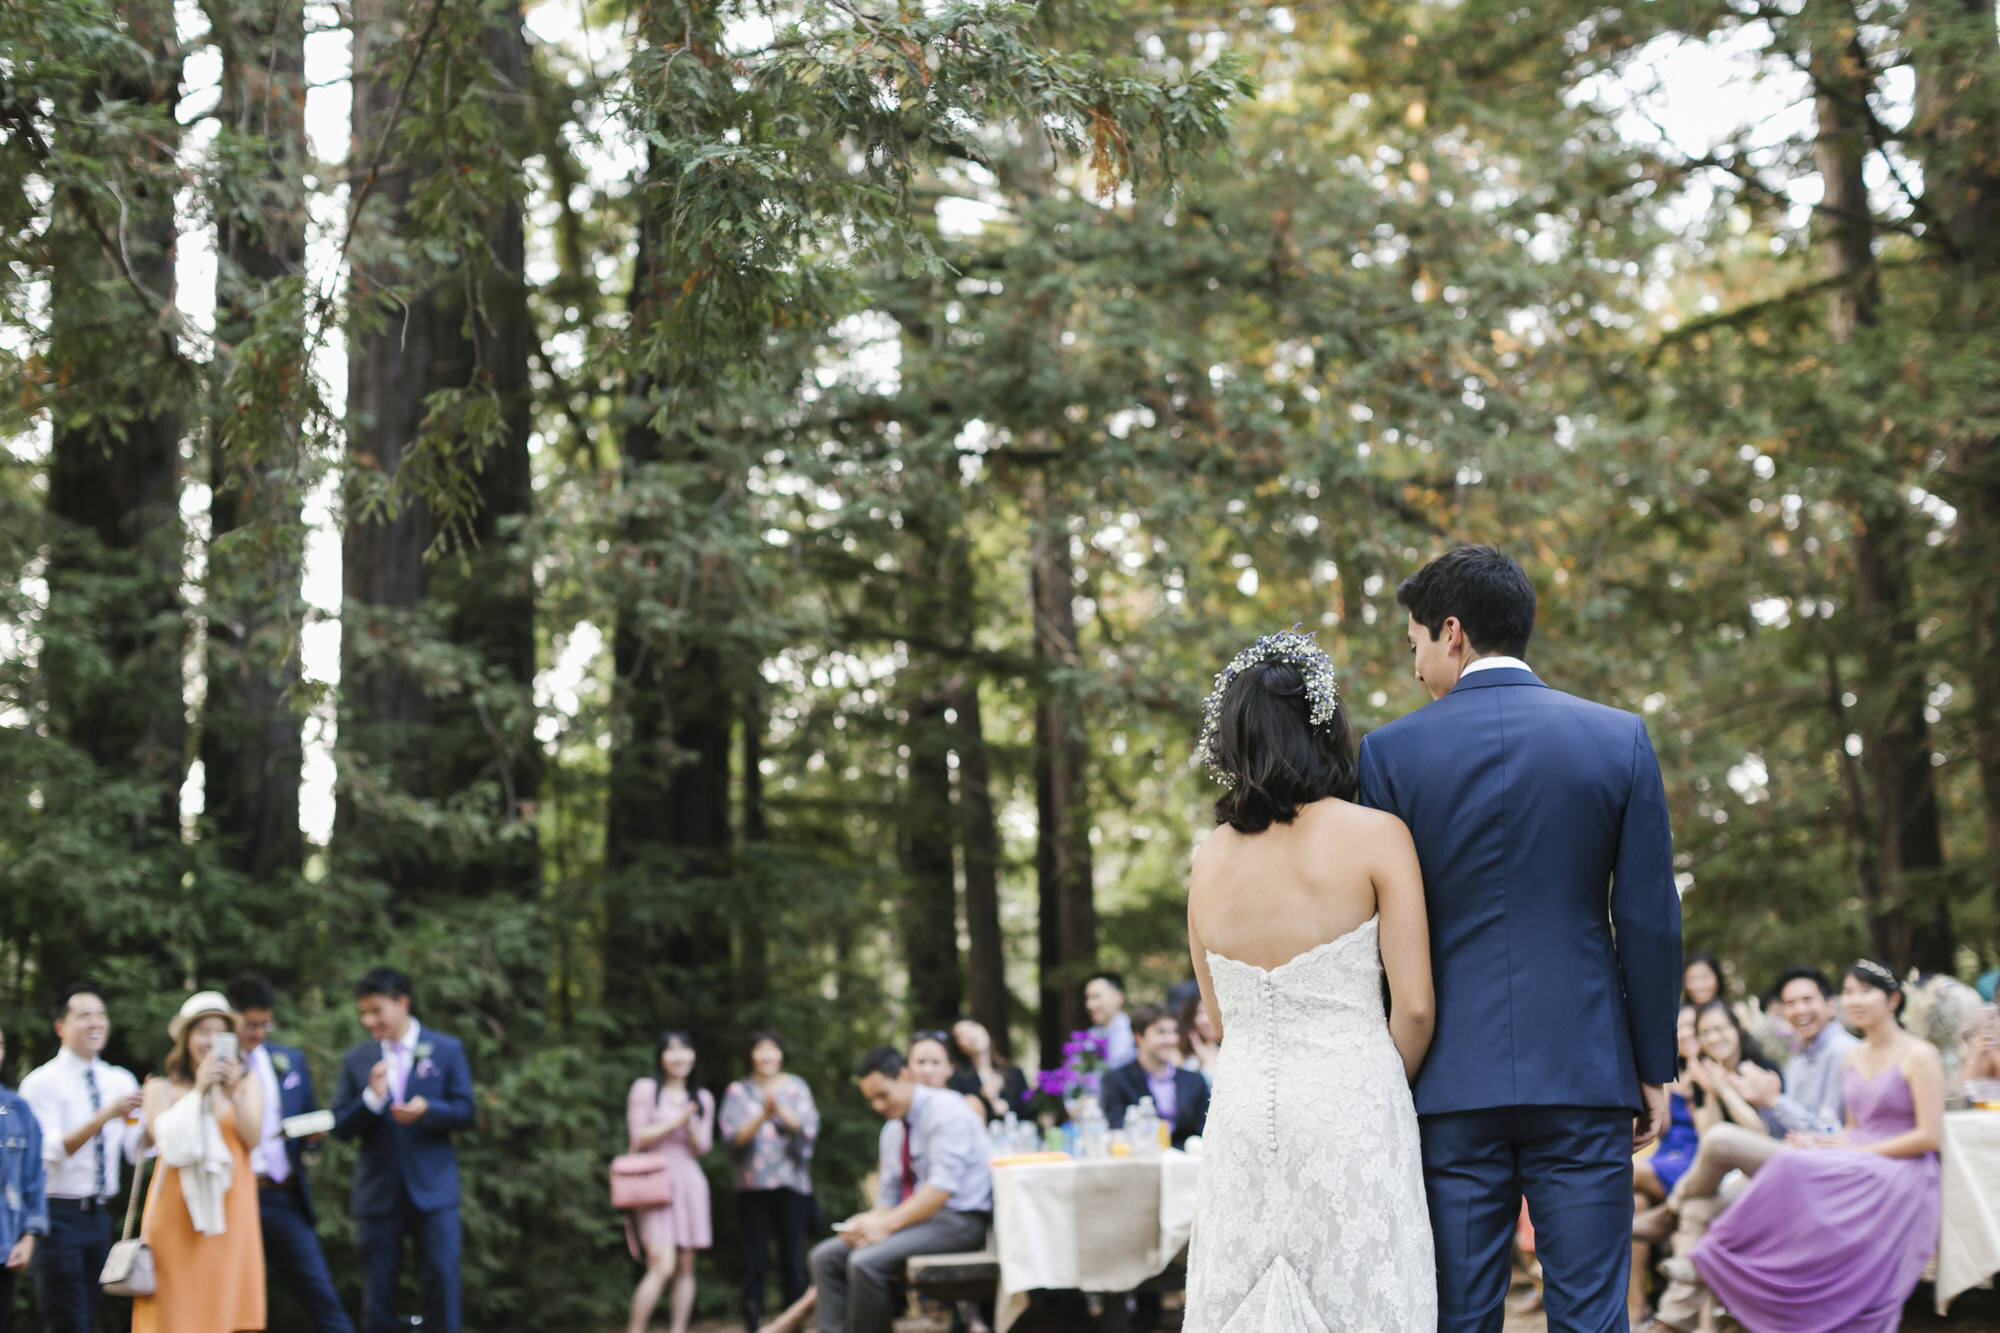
(793, 469)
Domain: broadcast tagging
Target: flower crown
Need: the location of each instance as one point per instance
(1291, 648)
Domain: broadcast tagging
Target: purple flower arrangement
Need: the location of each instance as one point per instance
(1081, 1070)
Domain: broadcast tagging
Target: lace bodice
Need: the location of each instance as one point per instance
(1312, 1215)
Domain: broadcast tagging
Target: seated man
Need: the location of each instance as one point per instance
(935, 1197)
(1179, 1095)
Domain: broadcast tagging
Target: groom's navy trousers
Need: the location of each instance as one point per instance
(1541, 825)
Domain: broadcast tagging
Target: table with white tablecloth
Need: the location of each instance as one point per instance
(1103, 1225)
(1968, 1252)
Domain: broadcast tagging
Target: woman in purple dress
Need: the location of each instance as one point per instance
(1834, 1232)
(667, 1115)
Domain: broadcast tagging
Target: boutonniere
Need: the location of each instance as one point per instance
(281, 1062)
(291, 1081)
(424, 1050)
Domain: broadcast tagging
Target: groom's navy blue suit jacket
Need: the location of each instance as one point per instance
(1541, 825)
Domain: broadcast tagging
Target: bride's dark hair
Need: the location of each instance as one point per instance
(1274, 758)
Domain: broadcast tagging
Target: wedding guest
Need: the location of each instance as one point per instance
(1812, 1100)
(1104, 1001)
(402, 1093)
(1179, 1095)
(1734, 1082)
(935, 1196)
(1199, 1049)
(997, 1081)
(200, 1218)
(89, 1114)
(1701, 979)
(666, 1114)
(24, 1208)
(928, 1064)
(284, 1200)
(1835, 1231)
(1654, 1175)
(770, 1125)
(1982, 1047)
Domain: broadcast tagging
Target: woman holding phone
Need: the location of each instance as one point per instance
(201, 1218)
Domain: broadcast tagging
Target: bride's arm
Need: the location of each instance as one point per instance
(1406, 945)
(1200, 956)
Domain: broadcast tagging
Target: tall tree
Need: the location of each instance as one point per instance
(437, 661)
(253, 607)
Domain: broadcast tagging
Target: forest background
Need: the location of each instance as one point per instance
(721, 514)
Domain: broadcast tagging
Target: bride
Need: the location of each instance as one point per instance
(1311, 1216)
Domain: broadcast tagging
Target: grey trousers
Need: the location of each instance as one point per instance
(854, 1285)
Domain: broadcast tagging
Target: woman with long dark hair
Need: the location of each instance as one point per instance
(984, 1073)
(667, 1114)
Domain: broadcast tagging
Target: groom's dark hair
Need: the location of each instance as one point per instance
(1484, 589)
(1275, 759)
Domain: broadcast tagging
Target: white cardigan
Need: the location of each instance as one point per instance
(189, 1139)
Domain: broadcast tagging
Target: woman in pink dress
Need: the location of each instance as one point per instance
(665, 1114)
(1834, 1232)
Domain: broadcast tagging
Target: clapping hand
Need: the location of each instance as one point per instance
(378, 1079)
(411, 1111)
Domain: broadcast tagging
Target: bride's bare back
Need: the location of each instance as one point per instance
(1265, 898)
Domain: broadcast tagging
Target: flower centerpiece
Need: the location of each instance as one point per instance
(1060, 1091)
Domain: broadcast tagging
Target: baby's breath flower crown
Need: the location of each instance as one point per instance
(1294, 649)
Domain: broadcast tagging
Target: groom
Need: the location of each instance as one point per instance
(1541, 826)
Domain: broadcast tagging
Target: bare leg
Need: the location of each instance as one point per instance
(683, 1301)
(796, 1317)
(659, 1268)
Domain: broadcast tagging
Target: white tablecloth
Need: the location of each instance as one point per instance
(1105, 1225)
(1969, 1239)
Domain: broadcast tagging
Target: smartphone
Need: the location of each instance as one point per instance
(224, 1046)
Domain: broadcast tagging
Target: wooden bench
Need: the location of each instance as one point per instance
(975, 1276)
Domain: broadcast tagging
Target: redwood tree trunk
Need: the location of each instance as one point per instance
(250, 746)
(986, 952)
(1911, 924)
(1062, 847)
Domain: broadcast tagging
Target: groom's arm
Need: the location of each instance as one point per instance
(1646, 916)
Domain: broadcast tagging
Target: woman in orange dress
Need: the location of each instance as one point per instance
(207, 1243)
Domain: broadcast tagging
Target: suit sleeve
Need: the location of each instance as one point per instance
(307, 1095)
(1196, 1119)
(1117, 1098)
(351, 1116)
(1374, 787)
(454, 1108)
(1646, 916)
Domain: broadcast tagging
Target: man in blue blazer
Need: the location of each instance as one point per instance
(402, 1093)
(1541, 824)
(1179, 1095)
(284, 1199)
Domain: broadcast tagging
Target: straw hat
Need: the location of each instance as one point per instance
(200, 1005)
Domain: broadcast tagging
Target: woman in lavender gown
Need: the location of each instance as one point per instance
(1834, 1232)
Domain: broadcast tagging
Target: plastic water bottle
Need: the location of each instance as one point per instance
(1144, 1123)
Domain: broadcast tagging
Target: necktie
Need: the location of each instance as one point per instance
(909, 1184)
(96, 1144)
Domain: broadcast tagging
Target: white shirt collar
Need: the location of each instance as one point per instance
(69, 1059)
(1495, 664)
(409, 1041)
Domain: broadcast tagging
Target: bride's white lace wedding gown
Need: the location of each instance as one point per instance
(1311, 1216)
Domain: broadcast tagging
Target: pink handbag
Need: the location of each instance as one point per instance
(641, 1180)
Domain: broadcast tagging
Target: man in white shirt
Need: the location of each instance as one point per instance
(89, 1114)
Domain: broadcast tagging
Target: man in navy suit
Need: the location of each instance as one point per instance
(402, 1093)
(1541, 825)
(1179, 1095)
(284, 1200)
